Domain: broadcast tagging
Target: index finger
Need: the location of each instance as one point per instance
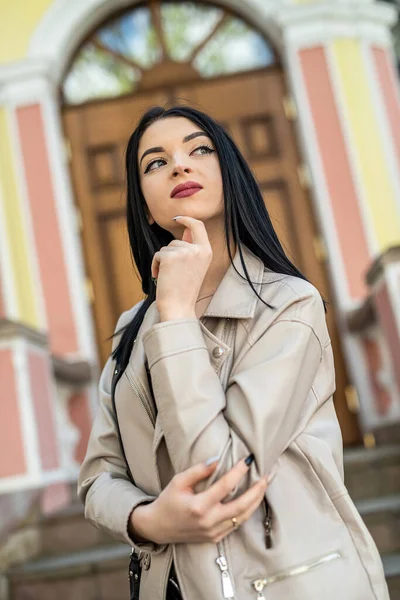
(197, 229)
(228, 482)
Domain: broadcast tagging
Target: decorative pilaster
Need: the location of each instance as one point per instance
(28, 434)
(377, 326)
(341, 73)
(42, 290)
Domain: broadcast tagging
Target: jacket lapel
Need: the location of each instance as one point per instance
(234, 298)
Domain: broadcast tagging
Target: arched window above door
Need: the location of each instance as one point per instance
(160, 43)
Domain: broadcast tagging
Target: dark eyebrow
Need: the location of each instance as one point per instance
(158, 149)
(191, 136)
(154, 150)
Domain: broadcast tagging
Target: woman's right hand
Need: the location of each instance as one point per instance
(179, 514)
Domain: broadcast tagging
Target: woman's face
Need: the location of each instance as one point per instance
(176, 152)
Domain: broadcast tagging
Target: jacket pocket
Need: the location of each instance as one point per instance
(363, 542)
(260, 584)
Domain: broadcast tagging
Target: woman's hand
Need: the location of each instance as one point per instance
(180, 269)
(180, 514)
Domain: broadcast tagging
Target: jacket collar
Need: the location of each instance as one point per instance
(234, 298)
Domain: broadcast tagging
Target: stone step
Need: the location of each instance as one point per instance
(68, 531)
(90, 574)
(80, 562)
(374, 472)
(102, 573)
(382, 517)
(391, 564)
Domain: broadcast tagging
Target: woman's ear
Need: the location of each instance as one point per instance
(149, 215)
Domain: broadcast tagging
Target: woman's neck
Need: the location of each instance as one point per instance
(220, 263)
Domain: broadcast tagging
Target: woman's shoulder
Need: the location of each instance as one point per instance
(289, 290)
(290, 298)
(127, 316)
(283, 292)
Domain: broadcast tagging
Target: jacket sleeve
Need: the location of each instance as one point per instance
(104, 487)
(269, 398)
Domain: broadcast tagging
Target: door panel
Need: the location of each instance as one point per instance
(123, 277)
(250, 106)
(276, 198)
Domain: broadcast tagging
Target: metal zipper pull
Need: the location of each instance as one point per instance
(259, 587)
(227, 587)
(267, 529)
(268, 526)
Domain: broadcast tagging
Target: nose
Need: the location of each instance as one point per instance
(180, 169)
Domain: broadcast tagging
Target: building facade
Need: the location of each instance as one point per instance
(317, 114)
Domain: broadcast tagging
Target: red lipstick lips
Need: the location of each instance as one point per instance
(186, 189)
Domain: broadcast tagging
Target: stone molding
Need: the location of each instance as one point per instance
(73, 371)
(29, 68)
(356, 12)
(389, 257)
(77, 373)
(12, 329)
(362, 317)
(365, 315)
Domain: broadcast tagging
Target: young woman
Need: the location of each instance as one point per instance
(233, 480)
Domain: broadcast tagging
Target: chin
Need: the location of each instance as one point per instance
(197, 211)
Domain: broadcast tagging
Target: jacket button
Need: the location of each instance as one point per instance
(218, 352)
(146, 562)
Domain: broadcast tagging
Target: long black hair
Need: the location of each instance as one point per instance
(246, 218)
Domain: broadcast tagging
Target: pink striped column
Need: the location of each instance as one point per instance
(47, 232)
(347, 220)
(28, 432)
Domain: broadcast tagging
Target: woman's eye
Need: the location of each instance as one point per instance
(202, 150)
(154, 163)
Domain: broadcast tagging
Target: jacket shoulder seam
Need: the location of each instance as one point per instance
(306, 323)
(251, 342)
(294, 292)
(315, 395)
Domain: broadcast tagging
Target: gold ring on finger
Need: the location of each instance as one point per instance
(235, 523)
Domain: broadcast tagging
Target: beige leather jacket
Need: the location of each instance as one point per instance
(244, 378)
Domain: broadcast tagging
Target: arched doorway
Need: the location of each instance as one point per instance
(162, 52)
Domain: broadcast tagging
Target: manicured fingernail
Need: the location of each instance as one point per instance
(271, 476)
(249, 460)
(175, 218)
(211, 460)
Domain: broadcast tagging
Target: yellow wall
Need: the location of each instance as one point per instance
(18, 20)
(26, 297)
(368, 141)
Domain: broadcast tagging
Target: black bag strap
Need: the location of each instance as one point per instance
(118, 372)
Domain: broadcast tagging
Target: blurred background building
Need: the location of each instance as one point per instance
(310, 91)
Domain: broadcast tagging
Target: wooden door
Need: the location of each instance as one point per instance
(250, 105)
(97, 134)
